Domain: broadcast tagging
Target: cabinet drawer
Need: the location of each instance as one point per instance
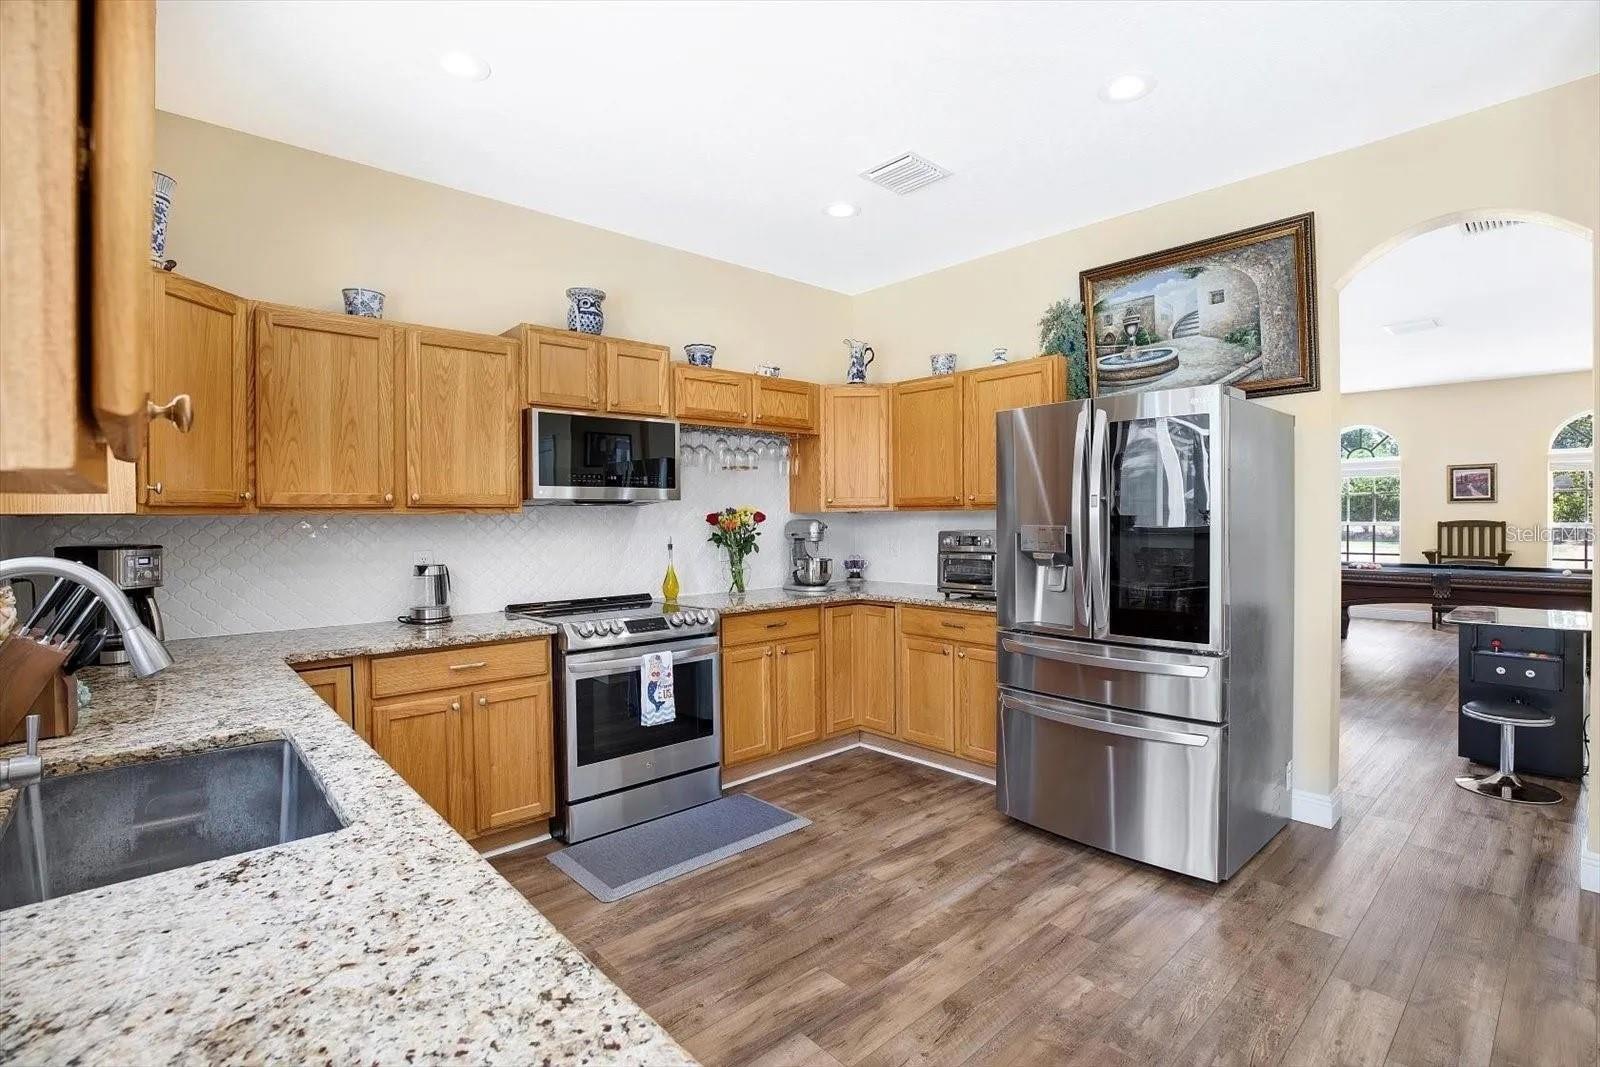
(771, 625)
(976, 628)
(419, 672)
(1518, 669)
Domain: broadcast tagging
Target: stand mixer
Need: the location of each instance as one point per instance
(808, 573)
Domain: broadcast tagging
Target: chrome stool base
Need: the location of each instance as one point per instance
(1508, 787)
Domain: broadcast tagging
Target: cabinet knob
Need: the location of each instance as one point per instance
(156, 488)
(247, 495)
(388, 498)
(783, 651)
(455, 705)
(483, 702)
(961, 655)
(179, 410)
(769, 651)
(972, 496)
(830, 500)
(415, 497)
(944, 651)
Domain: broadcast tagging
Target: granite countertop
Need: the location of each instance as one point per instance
(388, 941)
(837, 593)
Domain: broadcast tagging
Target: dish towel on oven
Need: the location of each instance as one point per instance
(656, 705)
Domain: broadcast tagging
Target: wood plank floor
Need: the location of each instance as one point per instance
(911, 923)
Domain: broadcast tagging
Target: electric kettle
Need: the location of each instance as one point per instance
(433, 595)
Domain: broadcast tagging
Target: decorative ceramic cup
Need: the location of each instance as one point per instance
(363, 303)
(943, 362)
(700, 354)
(767, 370)
(160, 211)
(1000, 356)
(855, 568)
(583, 310)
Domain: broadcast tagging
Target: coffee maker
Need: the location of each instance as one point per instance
(136, 570)
(808, 572)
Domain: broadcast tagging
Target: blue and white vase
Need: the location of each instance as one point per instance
(768, 370)
(700, 354)
(943, 362)
(583, 310)
(363, 303)
(161, 210)
(861, 355)
(1000, 356)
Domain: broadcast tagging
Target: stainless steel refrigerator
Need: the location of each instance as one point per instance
(1145, 576)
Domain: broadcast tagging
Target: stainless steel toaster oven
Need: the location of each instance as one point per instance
(967, 563)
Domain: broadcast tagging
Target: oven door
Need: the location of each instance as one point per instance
(606, 745)
(966, 572)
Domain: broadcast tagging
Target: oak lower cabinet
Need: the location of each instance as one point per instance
(860, 659)
(947, 674)
(773, 694)
(976, 702)
(927, 693)
(480, 752)
(927, 443)
(747, 703)
(335, 686)
(463, 420)
(801, 698)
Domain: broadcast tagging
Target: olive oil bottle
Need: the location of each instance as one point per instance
(669, 583)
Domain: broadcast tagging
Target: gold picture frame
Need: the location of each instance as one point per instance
(1472, 483)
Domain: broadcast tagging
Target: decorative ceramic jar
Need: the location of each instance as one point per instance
(943, 362)
(160, 210)
(767, 370)
(1000, 356)
(700, 354)
(363, 303)
(855, 569)
(861, 355)
(583, 310)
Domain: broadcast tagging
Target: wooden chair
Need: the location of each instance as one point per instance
(1467, 543)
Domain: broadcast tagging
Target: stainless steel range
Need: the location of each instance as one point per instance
(613, 770)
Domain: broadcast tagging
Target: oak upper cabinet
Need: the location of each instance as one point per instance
(798, 689)
(463, 429)
(927, 443)
(637, 379)
(783, 404)
(977, 693)
(845, 468)
(77, 96)
(747, 702)
(422, 738)
(562, 369)
(989, 391)
(202, 348)
(860, 658)
(325, 410)
(710, 397)
(927, 692)
(513, 754)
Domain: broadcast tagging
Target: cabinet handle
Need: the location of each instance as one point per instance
(156, 488)
(388, 498)
(179, 411)
(953, 625)
(247, 495)
(483, 702)
(777, 625)
(474, 665)
(455, 705)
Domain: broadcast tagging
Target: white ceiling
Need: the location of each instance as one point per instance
(1509, 303)
(725, 129)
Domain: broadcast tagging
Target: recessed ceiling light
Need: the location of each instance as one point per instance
(464, 65)
(843, 209)
(1125, 88)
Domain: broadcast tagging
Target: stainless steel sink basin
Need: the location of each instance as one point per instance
(82, 831)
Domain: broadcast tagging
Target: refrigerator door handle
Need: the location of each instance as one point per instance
(1099, 582)
(1038, 707)
(1080, 570)
(1025, 647)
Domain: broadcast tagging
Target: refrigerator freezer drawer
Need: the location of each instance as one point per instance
(1144, 787)
(1176, 684)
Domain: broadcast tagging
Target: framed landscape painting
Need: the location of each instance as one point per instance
(1471, 482)
(1240, 309)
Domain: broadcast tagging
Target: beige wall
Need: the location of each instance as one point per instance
(1365, 200)
(273, 222)
(1508, 422)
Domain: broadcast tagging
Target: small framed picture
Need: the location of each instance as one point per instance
(1471, 482)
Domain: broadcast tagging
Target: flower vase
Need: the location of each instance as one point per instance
(735, 574)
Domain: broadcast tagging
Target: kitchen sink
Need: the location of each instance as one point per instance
(82, 831)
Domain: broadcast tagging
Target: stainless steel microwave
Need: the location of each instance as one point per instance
(573, 458)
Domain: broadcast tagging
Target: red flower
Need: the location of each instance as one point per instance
(761, 516)
(711, 517)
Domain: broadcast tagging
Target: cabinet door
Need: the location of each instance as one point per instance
(637, 379)
(512, 754)
(927, 443)
(783, 404)
(747, 703)
(325, 410)
(800, 698)
(927, 693)
(992, 390)
(463, 437)
(874, 680)
(564, 369)
(855, 447)
(336, 688)
(421, 738)
(714, 397)
(202, 348)
(840, 628)
(976, 695)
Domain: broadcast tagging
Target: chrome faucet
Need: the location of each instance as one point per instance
(18, 771)
(146, 654)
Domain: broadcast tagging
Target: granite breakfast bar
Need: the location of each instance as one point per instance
(388, 941)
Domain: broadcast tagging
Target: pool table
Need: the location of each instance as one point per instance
(1444, 587)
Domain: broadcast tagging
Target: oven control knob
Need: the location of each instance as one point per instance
(585, 629)
(676, 618)
(615, 626)
(702, 617)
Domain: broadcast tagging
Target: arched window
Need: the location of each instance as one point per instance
(1572, 493)
(1369, 495)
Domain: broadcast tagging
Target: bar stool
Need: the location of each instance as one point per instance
(1504, 784)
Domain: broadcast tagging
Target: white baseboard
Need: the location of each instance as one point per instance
(1589, 870)
(925, 762)
(1368, 611)
(1318, 809)
(791, 766)
(514, 846)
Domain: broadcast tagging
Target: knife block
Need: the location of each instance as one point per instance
(57, 708)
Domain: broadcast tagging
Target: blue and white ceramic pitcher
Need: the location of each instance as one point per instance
(861, 354)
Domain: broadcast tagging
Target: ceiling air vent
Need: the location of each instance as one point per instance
(1477, 226)
(905, 174)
